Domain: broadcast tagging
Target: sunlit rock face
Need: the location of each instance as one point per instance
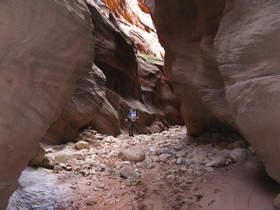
(223, 60)
(39, 65)
(134, 19)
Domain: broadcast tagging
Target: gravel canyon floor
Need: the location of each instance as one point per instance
(161, 171)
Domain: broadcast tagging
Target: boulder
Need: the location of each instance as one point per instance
(81, 145)
(135, 154)
(63, 156)
(39, 41)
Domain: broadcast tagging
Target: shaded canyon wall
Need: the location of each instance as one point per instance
(223, 60)
(39, 65)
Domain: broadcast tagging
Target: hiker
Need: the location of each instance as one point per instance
(131, 121)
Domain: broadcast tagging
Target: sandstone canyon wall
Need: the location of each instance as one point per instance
(222, 58)
(39, 65)
(118, 80)
(134, 19)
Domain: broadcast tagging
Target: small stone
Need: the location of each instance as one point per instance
(170, 178)
(217, 162)
(81, 145)
(91, 203)
(66, 167)
(239, 144)
(239, 154)
(180, 161)
(85, 173)
(127, 172)
(160, 151)
(276, 202)
(253, 164)
(164, 157)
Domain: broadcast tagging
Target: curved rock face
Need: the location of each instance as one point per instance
(222, 57)
(45, 45)
(89, 106)
(248, 49)
(187, 34)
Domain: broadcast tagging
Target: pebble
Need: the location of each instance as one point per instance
(81, 145)
(127, 172)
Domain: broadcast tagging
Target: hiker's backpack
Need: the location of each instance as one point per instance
(132, 116)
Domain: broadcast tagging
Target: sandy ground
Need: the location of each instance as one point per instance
(174, 175)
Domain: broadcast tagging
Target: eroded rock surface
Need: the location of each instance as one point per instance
(133, 18)
(39, 64)
(118, 81)
(222, 57)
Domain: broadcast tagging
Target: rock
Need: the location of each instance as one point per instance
(276, 202)
(81, 145)
(224, 153)
(38, 81)
(164, 157)
(254, 164)
(41, 160)
(89, 106)
(61, 157)
(127, 172)
(217, 162)
(239, 154)
(202, 98)
(160, 151)
(131, 16)
(104, 94)
(135, 154)
(239, 144)
(66, 167)
(171, 178)
(199, 157)
(180, 161)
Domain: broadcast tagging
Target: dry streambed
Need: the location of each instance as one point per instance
(159, 171)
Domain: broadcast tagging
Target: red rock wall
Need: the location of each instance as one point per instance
(118, 81)
(222, 57)
(39, 41)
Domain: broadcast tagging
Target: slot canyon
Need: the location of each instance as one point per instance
(202, 76)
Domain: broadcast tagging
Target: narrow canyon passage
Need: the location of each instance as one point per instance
(161, 171)
(202, 76)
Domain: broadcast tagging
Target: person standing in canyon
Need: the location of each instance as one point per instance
(131, 121)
